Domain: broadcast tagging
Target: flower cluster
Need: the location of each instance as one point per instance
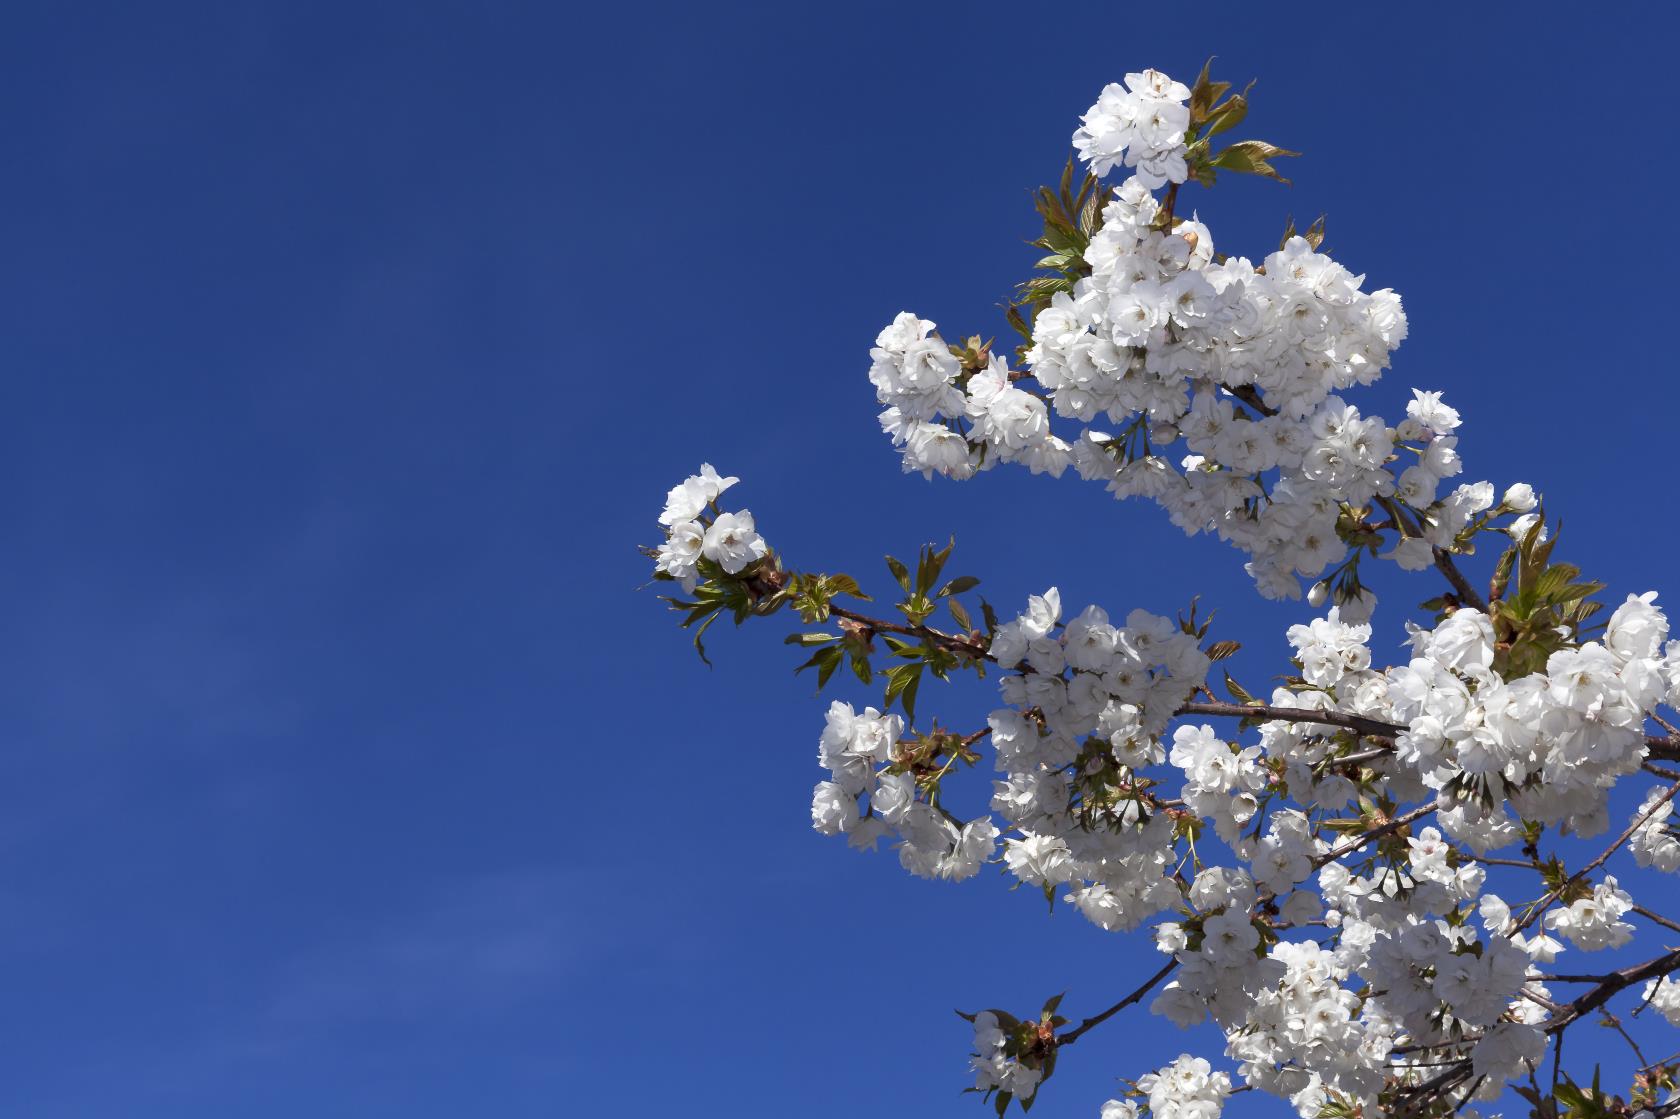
(1664, 996)
(916, 376)
(692, 534)
(1328, 880)
(1140, 124)
(1186, 1089)
(865, 802)
(995, 1068)
(1654, 842)
(1550, 741)
(1240, 361)
(1086, 710)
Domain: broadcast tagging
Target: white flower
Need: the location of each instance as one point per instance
(681, 552)
(833, 810)
(731, 542)
(1426, 408)
(689, 500)
(893, 796)
(1039, 860)
(1507, 1050)
(1637, 629)
(1520, 498)
(1186, 1089)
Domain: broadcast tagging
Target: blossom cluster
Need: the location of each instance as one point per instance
(1140, 124)
(1323, 889)
(1549, 744)
(995, 1068)
(1242, 364)
(1079, 747)
(729, 540)
(1085, 677)
(865, 802)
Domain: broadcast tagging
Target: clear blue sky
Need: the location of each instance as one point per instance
(350, 350)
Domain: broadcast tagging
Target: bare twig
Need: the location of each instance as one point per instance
(1370, 728)
(1550, 896)
(1656, 917)
(1462, 589)
(1096, 1020)
(1383, 829)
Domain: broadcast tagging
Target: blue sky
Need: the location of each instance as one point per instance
(344, 772)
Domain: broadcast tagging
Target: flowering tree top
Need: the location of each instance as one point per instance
(1366, 879)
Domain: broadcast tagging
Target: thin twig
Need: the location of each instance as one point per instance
(1095, 1020)
(1658, 918)
(1359, 841)
(1552, 895)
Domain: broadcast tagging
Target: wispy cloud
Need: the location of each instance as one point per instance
(477, 944)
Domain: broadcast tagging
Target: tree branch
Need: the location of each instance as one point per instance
(1466, 593)
(1078, 1031)
(1370, 728)
(1552, 895)
(1361, 840)
(1613, 984)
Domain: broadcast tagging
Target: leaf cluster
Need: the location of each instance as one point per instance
(1538, 607)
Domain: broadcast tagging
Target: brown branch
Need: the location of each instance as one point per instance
(1613, 984)
(1370, 728)
(1658, 918)
(1250, 396)
(1424, 1094)
(1615, 1023)
(1466, 593)
(965, 645)
(1552, 895)
(1095, 1020)
(1663, 747)
(1359, 841)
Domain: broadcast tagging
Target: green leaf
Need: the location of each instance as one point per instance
(1019, 323)
(825, 661)
(1228, 115)
(1237, 690)
(1315, 233)
(909, 697)
(960, 614)
(829, 661)
(1204, 93)
(810, 638)
(1253, 157)
(845, 584)
(1090, 214)
(900, 572)
(958, 585)
(700, 646)
(903, 681)
(930, 565)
